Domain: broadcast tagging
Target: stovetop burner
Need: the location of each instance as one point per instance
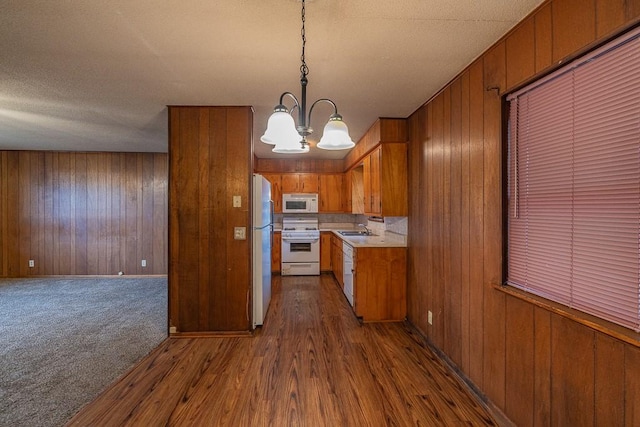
(298, 227)
(299, 224)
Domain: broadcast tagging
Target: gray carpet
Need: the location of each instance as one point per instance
(63, 341)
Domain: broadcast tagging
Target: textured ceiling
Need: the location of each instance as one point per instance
(97, 75)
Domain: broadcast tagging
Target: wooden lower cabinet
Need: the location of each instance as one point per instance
(276, 252)
(337, 259)
(379, 280)
(325, 251)
(380, 283)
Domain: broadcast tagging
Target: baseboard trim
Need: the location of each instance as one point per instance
(213, 334)
(482, 399)
(87, 276)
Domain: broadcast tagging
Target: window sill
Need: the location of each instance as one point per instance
(593, 322)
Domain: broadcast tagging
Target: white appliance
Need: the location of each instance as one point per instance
(300, 247)
(262, 238)
(347, 273)
(300, 203)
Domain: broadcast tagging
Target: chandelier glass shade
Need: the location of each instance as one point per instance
(288, 138)
(281, 132)
(335, 135)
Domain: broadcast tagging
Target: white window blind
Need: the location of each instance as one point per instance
(574, 184)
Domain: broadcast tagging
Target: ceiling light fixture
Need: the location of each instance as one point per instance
(282, 131)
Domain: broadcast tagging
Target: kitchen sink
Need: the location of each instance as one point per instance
(354, 233)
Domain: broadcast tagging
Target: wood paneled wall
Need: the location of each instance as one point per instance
(82, 213)
(540, 368)
(210, 271)
(297, 165)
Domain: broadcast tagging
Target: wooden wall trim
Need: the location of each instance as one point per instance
(297, 166)
(608, 328)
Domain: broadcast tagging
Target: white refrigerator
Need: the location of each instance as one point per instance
(262, 235)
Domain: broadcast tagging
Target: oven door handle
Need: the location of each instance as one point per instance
(299, 240)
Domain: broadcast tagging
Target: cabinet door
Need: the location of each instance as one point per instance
(334, 254)
(347, 191)
(357, 190)
(393, 171)
(366, 184)
(276, 190)
(330, 193)
(290, 183)
(276, 249)
(340, 266)
(375, 176)
(300, 183)
(371, 183)
(337, 259)
(379, 283)
(308, 182)
(325, 251)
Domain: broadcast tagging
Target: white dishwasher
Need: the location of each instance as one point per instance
(347, 252)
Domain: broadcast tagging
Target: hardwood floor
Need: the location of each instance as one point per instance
(312, 364)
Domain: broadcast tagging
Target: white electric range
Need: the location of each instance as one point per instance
(300, 246)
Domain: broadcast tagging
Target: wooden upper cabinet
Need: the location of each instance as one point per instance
(385, 181)
(356, 178)
(290, 183)
(300, 183)
(347, 191)
(372, 188)
(276, 190)
(330, 193)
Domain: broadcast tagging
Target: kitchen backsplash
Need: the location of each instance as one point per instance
(394, 224)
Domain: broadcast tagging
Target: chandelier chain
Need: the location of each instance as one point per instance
(304, 70)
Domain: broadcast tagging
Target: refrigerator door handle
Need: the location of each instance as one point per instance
(272, 207)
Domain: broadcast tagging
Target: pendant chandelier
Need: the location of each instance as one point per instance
(289, 138)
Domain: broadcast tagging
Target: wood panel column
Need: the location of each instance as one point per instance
(209, 270)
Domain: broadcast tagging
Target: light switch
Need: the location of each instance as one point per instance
(237, 201)
(240, 233)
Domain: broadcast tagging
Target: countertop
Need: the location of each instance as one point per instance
(385, 239)
(382, 239)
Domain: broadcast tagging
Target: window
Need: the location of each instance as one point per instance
(574, 184)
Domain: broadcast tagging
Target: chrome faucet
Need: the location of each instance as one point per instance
(366, 229)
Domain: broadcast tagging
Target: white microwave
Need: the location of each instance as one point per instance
(300, 203)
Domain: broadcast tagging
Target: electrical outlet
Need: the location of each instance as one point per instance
(32, 263)
(143, 263)
(240, 233)
(430, 317)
